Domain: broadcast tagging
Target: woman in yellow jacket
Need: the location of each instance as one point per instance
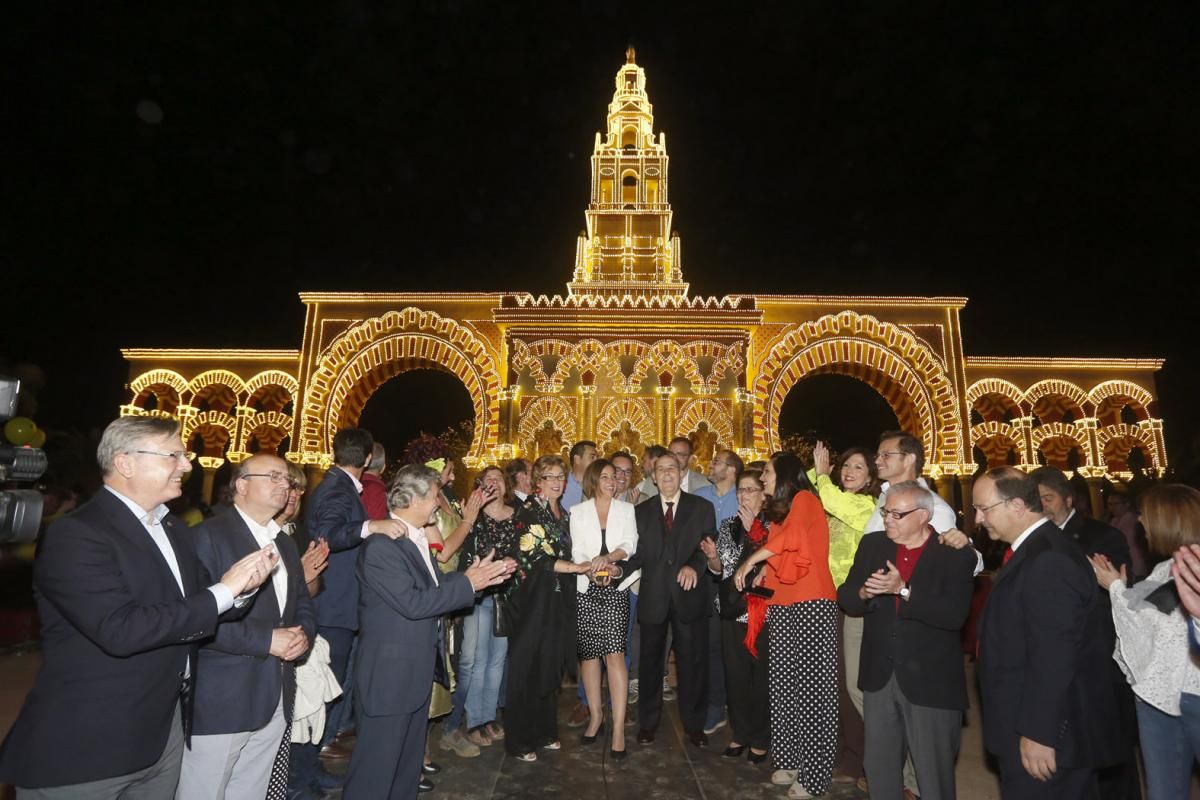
(848, 489)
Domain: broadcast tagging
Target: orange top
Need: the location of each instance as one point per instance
(800, 567)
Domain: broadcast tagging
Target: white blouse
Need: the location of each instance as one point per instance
(1153, 648)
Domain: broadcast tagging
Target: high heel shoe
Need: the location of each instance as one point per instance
(592, 739)
(757, 758)
(734, 752)
(617, 755)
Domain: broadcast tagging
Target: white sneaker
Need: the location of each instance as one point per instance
(783, 777)
(798, 792)
(667, 692)
(633, 691)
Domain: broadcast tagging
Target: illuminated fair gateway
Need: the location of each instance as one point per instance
(628, 358)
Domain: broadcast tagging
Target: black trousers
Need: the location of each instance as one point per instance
(1067, 784)
(746, 685)
(691, 660)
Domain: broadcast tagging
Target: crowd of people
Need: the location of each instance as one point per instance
(816, 610)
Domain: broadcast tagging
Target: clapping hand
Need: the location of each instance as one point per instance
(821, 464)
(1186, 570)
(1106, 573)
(252, 571)
(883, 581)
(487, 572)
(315, 559)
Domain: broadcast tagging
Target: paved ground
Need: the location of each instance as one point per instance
(667, 770)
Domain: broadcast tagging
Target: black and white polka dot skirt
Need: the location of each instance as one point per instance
(603, 616)
(802, 681)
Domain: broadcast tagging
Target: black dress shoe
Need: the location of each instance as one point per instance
(424, 786)
(592, 739)
(431, 768)
(645, 737)
(757, 758)
(698, 738)
(617, 755)
(734, 752)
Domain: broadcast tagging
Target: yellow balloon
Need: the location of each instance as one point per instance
(38, 439)
(19, 430)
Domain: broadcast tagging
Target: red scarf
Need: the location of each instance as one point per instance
(756, 605)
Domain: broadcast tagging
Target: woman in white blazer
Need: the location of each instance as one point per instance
(603, 531)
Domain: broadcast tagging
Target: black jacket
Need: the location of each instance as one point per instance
(660, 555)
(116, 638)
(920, 642)
(1043, 657)
(239, 683)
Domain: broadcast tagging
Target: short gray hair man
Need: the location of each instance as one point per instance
(125, 434)
(410, 483)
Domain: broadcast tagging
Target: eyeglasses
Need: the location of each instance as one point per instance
(178, 455)
(620, 471)
(273, 477)
(553, 478)
(985, 509)
(888, 453)
(749, 490)
(896, 515)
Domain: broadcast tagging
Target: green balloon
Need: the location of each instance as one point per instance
(19, 430)
(38, 439)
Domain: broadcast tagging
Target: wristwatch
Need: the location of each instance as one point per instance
(904, 592)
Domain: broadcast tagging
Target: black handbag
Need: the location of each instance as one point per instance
(501, 617)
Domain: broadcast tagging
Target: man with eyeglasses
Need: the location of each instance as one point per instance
(724, 470)
(914, 594)
(1043, 657)
(124, 603)
(244, 705)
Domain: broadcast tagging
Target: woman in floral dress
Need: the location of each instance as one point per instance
(539, 615)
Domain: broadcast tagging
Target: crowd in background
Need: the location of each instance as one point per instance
(820, 608)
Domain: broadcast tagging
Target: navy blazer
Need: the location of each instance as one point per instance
(116, 638)
(920, 642)
(334, 512)
(660, 555)
(400, 647)
(239, 682)
(1043, 657)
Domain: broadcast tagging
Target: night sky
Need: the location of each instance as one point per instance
(174, 176)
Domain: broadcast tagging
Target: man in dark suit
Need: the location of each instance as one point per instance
(670, 527)
(400, 655)
(123, 602)
(914, 594)
(334, 513)
(244, 700)
(1118, 781)
(1048, 699)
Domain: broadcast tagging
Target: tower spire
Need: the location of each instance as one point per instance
(628, 246)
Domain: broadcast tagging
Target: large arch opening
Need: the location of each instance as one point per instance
(839, 409)
(418, 401)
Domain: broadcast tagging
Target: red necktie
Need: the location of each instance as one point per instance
(669, 517)
(1008, 553)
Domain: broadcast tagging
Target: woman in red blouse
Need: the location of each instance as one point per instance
(802, 638)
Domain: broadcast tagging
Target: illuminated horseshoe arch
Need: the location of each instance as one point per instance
(881, 355)
(368, 354)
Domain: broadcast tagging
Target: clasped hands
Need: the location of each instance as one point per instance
(288, 644)
(882, 581)
(602, 570)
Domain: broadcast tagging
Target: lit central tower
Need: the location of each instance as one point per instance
(629, 247)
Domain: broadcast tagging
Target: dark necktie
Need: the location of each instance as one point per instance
(669, 517)
(1008, 553)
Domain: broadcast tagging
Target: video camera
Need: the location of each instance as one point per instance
(20, 509)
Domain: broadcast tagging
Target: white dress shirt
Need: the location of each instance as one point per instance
(674, 505)
(1020, 540)
(417, 536)
(1066, 521)
(265, 535)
